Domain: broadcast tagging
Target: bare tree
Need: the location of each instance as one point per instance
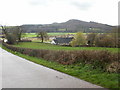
(17, 30)
(91, 38)
(115, 34)
(42, 35)
(4, 31)
(12, 34)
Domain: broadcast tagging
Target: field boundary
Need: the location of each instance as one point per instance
(103, 59)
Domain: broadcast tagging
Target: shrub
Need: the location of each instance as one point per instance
(113, 67)
(107, 40)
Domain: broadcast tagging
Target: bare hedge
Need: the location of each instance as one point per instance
(98, 58)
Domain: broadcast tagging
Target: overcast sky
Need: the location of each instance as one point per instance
(18, 12)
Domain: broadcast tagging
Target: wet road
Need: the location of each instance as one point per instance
(21, 73)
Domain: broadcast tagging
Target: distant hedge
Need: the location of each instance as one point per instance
(25, 40)
(103, 59)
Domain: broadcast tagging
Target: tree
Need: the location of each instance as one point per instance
(91, 38)
(4, 31)
(9, 36)
(115, 34)
(17, 30)
(104, 40)
(79, 39)
(42, 35)
(12, 34)
(110, 39)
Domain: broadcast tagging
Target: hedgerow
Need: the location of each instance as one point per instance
(103, 59)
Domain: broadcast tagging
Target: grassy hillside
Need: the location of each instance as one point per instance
(35, 45)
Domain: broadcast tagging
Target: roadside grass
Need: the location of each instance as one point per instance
(85, 72)
(47, 46)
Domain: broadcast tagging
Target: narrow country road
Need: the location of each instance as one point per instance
(20, 73)
(0, 68)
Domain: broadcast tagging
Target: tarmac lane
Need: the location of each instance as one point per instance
(18, 72)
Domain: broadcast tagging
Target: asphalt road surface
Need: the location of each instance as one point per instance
(0, 69)
(21, 73)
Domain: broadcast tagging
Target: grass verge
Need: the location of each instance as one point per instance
(85, 72)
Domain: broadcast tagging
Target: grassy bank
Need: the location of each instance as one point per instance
(85, 72)
(35, 45)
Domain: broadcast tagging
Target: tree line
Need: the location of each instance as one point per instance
(97, 39)
(14, 35)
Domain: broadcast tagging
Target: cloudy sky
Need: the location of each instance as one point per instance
(18, 12)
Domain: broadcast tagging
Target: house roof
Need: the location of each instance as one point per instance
(63, 40)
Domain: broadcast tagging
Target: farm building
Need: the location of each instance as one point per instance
(62, 41)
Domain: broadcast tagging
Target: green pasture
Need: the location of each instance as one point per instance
(30, 35)
(55, 34)
(49, 34)
(35, 45)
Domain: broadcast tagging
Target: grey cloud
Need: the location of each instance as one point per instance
(82, 5)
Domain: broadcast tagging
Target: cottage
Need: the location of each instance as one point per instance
(62, 41)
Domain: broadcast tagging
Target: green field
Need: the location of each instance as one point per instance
(54, 34)
(49, 34)
(30, 35)
(35, 45)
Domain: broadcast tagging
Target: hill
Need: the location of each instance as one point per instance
(72, 25)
